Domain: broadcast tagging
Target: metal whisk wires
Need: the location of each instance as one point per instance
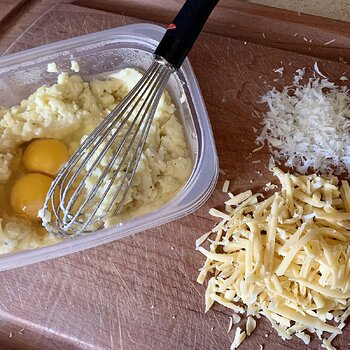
(82, 194)
(97, 178)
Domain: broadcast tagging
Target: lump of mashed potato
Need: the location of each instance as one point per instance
(69, 111)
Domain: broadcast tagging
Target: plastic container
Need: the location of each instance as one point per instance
(99, 54)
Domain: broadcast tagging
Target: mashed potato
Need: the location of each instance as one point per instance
(69, 111)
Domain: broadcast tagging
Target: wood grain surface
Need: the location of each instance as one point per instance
(9, 7)
(293, 31)
(141, 292)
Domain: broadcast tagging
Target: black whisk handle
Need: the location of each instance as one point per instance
(182, 33)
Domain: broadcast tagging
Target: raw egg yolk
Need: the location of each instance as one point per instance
(45, 156)
(28, 194)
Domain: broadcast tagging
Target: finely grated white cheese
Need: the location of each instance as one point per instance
(317, 70)
(279, 71)
(329, 42)
(230, 325)
(308, 126)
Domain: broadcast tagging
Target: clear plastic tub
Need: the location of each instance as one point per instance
(99, 54)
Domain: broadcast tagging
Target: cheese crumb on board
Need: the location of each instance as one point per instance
(317, 70)
(250, 325)
(279, 71)
(230, 325)
(74, 66)
(269, 186)
(236, 318)
(307, 126)
(285, 257)
(52, 67)
(329, 42)
(225, 186)
(239, 337)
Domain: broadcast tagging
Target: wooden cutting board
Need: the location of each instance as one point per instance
(141, 292)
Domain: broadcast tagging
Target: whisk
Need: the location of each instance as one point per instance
(82, 195)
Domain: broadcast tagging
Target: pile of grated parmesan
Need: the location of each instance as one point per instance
(286, 257)
(308, 126)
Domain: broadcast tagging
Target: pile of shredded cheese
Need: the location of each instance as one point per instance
(308, 126)
(286, 257)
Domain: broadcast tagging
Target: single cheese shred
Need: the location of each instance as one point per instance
(285, 257)
(307, 126)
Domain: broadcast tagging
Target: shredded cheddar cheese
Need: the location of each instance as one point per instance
(250, 325)
(239, 337)
(286, 257)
